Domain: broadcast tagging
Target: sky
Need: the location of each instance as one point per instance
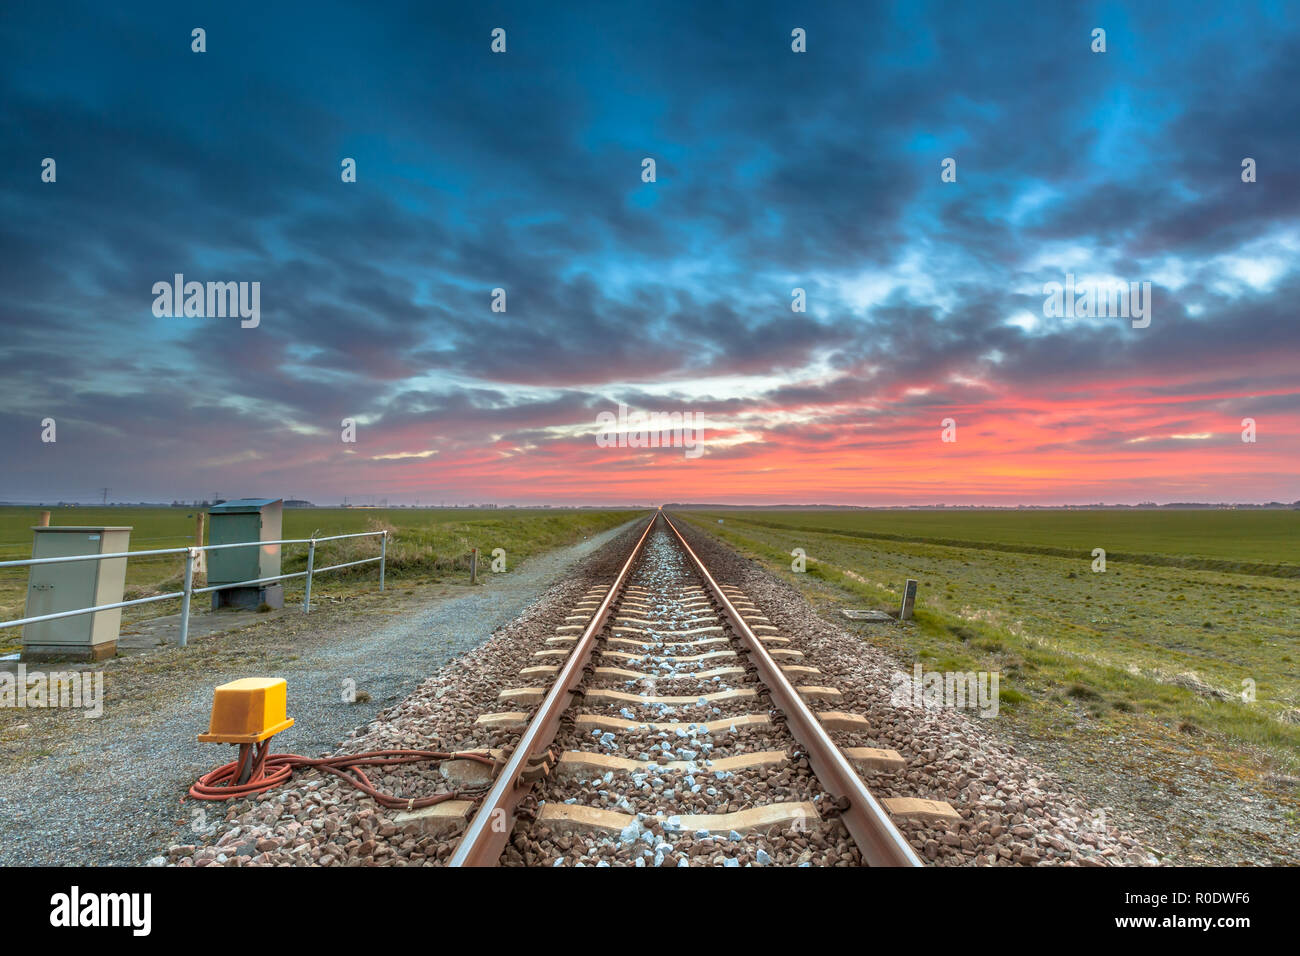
(925, 315)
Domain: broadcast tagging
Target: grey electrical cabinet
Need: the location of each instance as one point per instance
(70, 585)
(250, 520)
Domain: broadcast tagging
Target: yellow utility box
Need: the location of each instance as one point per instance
(248, 711)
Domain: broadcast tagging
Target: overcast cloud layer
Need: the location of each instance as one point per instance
(775, 170)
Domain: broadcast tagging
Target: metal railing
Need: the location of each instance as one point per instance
(189, 590)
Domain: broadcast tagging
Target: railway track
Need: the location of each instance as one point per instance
(674, 721)
(644, 713)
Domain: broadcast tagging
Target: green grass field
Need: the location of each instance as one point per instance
(427, 545)
(1262, 542)
(1192, 607)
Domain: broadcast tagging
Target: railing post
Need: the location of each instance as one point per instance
(184, 638)
(311, 561)
(473, 566)
(383, 558)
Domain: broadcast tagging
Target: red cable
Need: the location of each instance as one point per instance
(274, 769)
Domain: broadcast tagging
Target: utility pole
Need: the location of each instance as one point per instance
(104, 499)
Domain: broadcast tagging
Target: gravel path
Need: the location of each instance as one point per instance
(107, 791)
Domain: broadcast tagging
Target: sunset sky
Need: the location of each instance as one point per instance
(775, 170)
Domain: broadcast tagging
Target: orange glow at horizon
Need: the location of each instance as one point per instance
(1112, 445)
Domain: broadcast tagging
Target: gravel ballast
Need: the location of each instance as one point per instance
(654, 798)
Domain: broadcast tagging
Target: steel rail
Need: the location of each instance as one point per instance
(487, 833)
(867, 822)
